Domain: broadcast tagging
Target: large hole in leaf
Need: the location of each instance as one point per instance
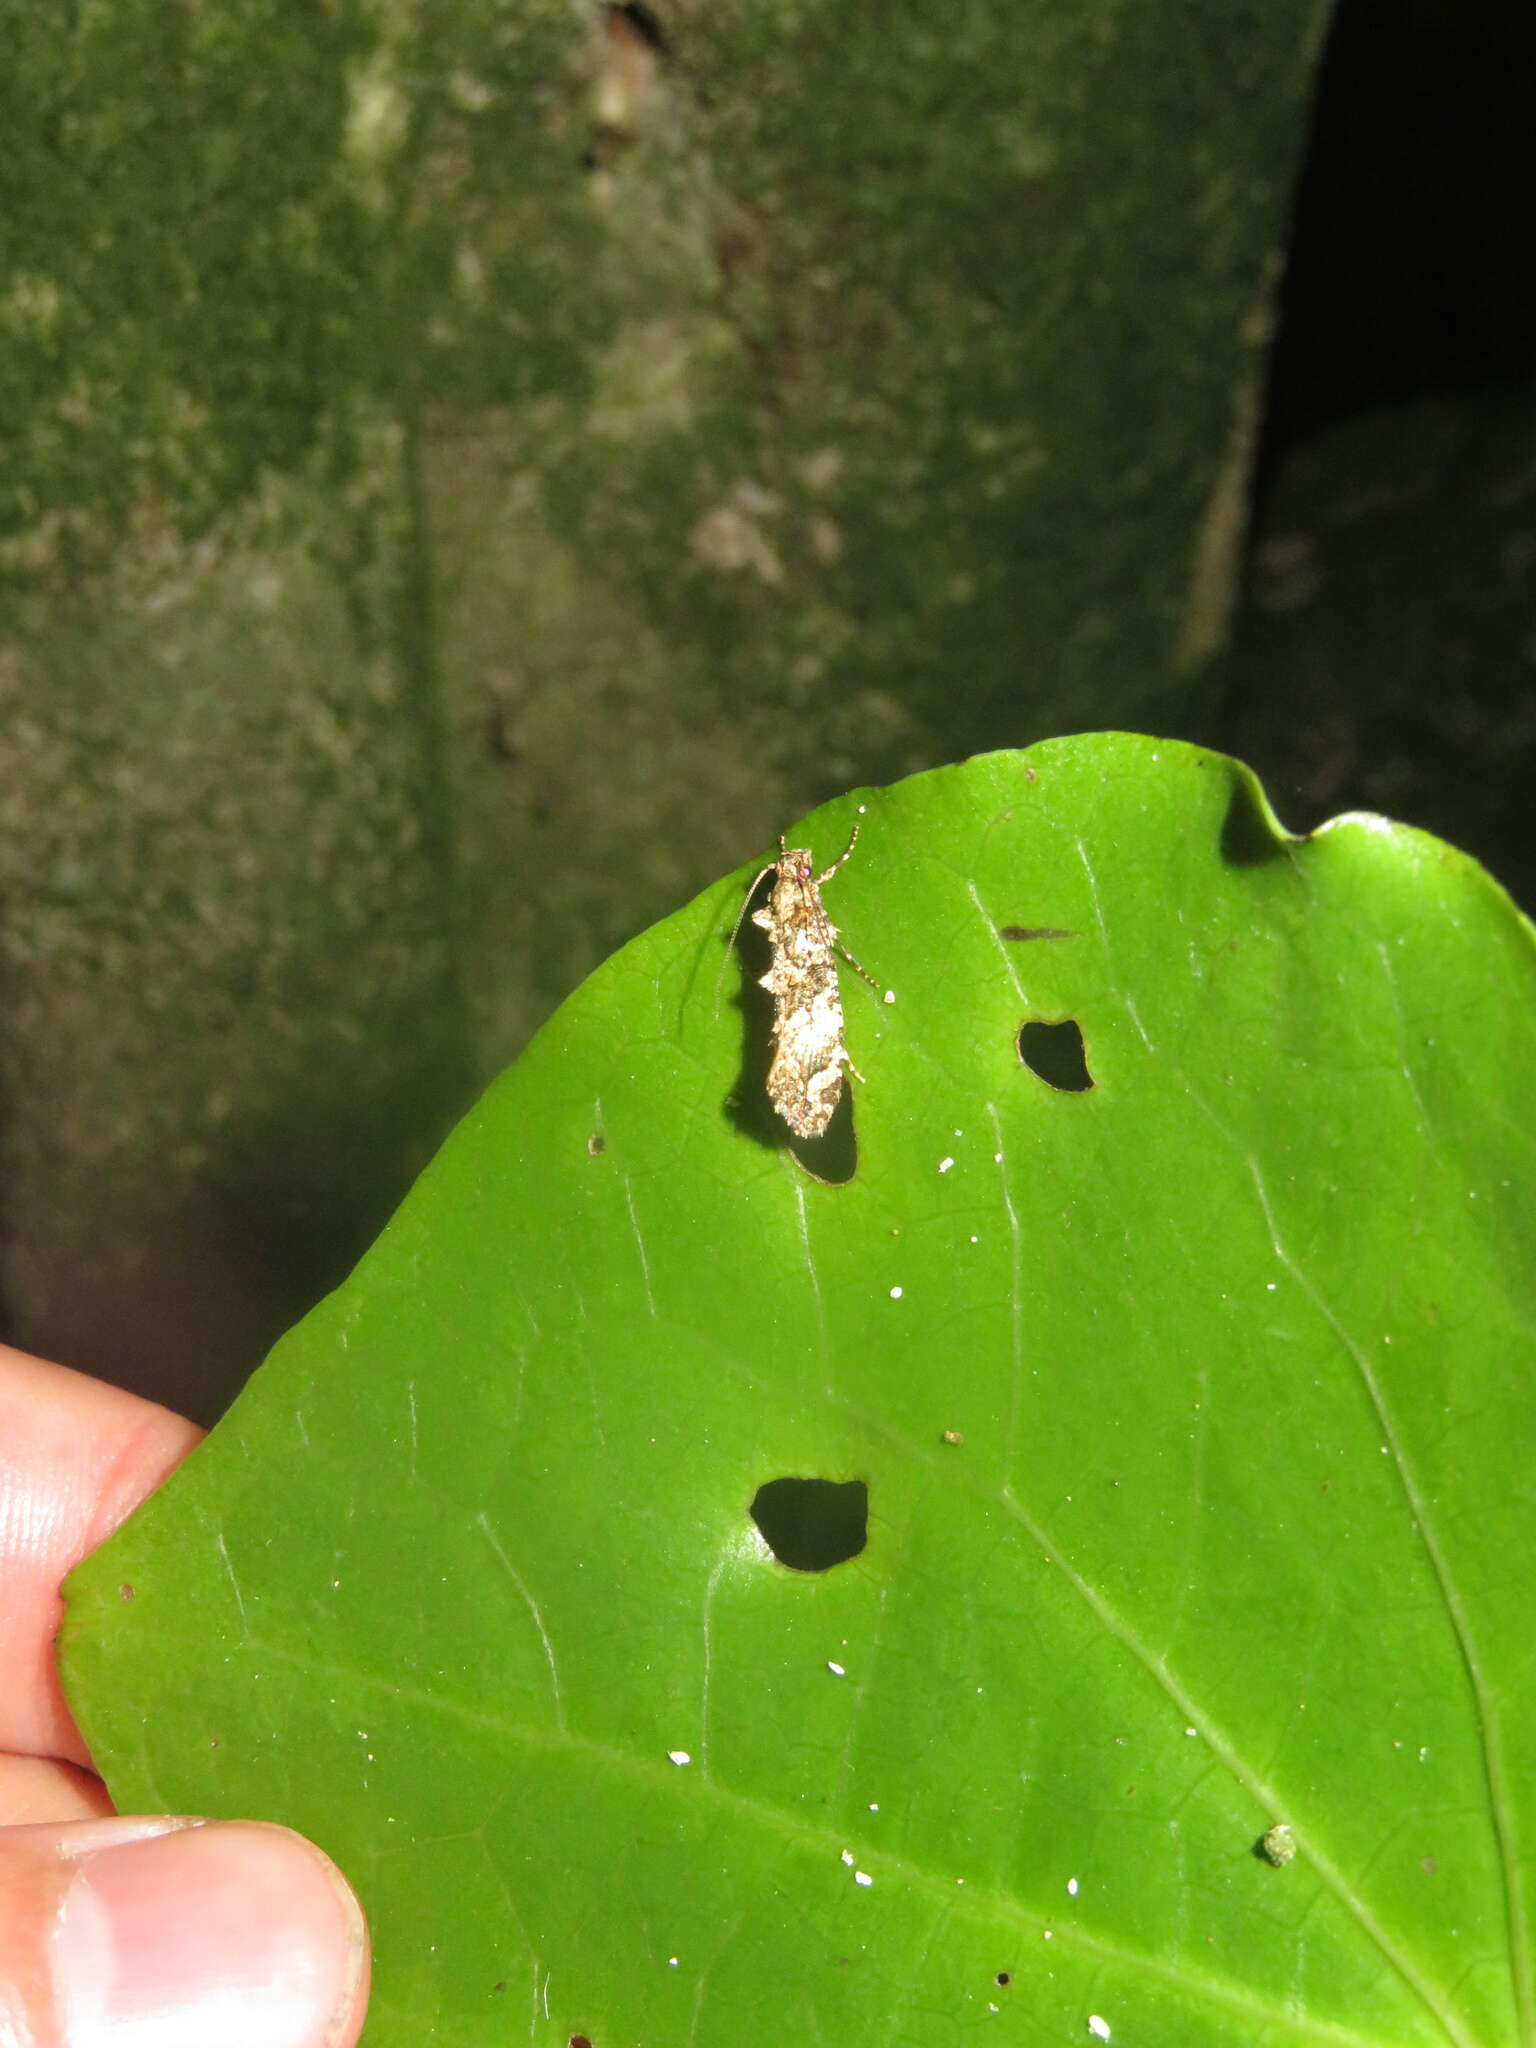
(1056, 1053)
(813, 1524)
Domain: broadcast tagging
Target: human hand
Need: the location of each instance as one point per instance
(162, 1931)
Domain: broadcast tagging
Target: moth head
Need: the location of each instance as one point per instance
(798, 860)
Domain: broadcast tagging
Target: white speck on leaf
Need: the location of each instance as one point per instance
(1071, 1887)
(895, 1294)
(945, 1165)
(680, 1756)
(1278, 1845)
(1099, 2028)
(863, 1877)
(889, 996)
(837, 1670)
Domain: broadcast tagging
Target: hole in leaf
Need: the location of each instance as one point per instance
(578, 2041)
(1004, 1977)
(597, 1144)
(1055, 1052)
(813, 1524)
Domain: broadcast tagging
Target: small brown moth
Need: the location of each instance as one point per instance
(805, 1078)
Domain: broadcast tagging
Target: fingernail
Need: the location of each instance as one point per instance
(226, 1932)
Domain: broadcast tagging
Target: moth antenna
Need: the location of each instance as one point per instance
(730, 944)
(853, 840)
(854, 965)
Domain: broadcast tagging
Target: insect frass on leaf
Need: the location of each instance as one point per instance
(805, 1077)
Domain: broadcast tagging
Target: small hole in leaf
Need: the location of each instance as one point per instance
(579, 2041)
(1055, 1052)
(1004, 1977)
(597, 1144)
(813, 1524)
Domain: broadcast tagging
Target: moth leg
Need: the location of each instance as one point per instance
(848, 1063)
(853, 840)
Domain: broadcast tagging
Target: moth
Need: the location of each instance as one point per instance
(805, 1077)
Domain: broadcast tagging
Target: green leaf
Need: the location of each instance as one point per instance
(1191, 1405)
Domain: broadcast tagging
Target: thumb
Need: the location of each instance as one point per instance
(172, 1933)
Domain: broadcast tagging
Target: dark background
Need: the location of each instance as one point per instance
(1408, 306)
